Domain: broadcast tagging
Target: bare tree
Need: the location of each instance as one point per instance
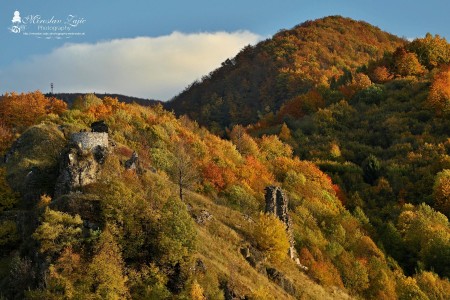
(184, 170)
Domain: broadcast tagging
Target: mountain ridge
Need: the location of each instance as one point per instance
(70, 98)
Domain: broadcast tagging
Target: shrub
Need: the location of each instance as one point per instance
(8, 235)
(241, 198)
(57, 231)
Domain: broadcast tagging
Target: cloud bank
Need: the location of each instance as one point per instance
(147, 67)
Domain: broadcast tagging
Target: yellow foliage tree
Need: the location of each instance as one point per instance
(432, 285)
(441, 192)
(107, 270)
(243, 141)
(407, 289)
(271, 237)
(197, 291)
(432, 51)
(285, 133)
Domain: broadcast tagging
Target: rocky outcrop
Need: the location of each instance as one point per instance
(255, 258)
(133, 162)
(281, 280)
(32, 164)
(87, 206)
(81, 160)
(230, 291)
(203, 217)
(199, 267)
(277, 204)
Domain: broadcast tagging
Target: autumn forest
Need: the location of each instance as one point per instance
(102, 198)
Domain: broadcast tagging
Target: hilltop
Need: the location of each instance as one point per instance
(261, 78)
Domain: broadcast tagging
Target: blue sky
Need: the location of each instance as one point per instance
(153, 49)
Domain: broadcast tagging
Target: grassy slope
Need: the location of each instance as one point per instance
(219, 248)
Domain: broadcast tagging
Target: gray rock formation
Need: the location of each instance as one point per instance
(133, 162)
(277, 204)
(281, 280)
(81, 161)
(203, 217)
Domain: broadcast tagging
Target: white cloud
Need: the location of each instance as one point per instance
(148, 67)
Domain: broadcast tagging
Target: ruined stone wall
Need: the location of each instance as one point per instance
(90, 140)
(80, 168)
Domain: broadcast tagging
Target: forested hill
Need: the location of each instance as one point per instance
(70, 98)
(262, 77)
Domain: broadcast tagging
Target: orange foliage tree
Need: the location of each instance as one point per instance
(439, 96)
(359, 82)
(301, 105)
(99, 111)
(109, 106)
(213, 174)
(256, 175)
(407, 63)
(381, 74)
(19, 111)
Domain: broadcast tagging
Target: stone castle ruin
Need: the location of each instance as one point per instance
(81, 160)
(87, 141)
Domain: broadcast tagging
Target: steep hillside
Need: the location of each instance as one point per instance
(148, 206)
(261, 78)
(378, 126)
(382, 134)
